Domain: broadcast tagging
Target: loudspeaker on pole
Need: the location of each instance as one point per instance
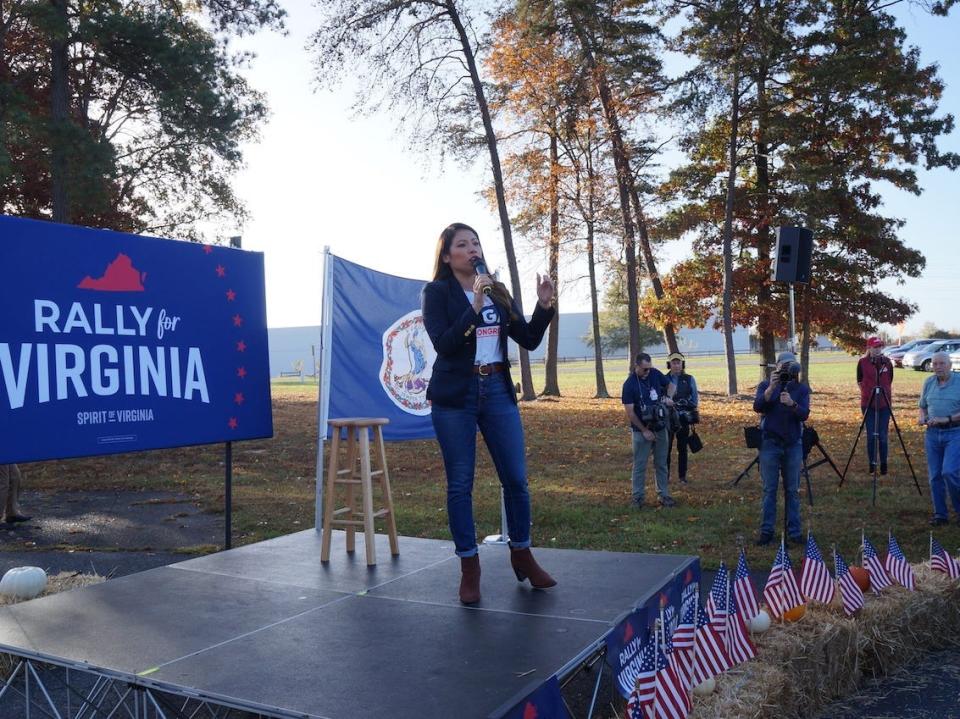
(791, 256)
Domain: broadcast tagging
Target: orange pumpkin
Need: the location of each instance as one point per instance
(861, 576)
(792, 615)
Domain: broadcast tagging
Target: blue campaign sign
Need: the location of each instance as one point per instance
(545, 702)
(381, 357)
(112, 343)
(624, 645)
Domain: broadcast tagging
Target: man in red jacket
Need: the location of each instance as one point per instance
(875, 378)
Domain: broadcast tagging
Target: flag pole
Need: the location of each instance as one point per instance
(696, 629)
(323, 398)
(726, 619)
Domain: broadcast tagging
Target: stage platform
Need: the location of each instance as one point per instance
(267, 628)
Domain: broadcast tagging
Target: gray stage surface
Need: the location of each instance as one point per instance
(270, 629)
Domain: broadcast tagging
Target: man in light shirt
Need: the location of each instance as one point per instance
(940, 414)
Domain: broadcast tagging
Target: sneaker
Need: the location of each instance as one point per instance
(873, 469)
(763, 540)
(883, 468)
(667, 502)
(683, 480)
(938, 521)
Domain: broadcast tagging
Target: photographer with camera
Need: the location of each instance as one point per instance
(875, 379)
(647, 400)
(785, 405)
(685, 411)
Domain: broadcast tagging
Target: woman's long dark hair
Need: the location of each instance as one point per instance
(441, 270)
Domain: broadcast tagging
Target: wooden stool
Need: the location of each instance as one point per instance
(358, 447)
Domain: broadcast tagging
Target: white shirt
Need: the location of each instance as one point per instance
(488, 332)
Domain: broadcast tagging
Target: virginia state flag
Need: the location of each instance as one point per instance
(544, 702)
(381, 357)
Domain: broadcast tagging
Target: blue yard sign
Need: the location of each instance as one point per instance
(112, 343)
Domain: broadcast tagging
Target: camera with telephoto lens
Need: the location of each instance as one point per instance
(686, 412)
(787, 372)
(654, 416)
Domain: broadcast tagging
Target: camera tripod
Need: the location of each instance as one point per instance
(878, 394)
(810, 439)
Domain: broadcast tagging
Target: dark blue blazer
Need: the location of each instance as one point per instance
(451, 323)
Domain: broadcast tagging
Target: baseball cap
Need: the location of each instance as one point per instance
(675, 356)
(786, 357)
(874, 342)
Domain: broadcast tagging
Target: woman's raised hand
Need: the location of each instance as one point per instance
(545, 290)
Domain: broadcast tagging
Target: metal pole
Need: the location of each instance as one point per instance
(793, 323)
(228, 497)
(323, 381)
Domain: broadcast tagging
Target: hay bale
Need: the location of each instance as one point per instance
(62, 582)
(803, 666)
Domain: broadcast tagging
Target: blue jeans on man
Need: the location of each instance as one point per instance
(488, 407)
(642, 449)
(878, 426)
(943, 464)
(778, 459)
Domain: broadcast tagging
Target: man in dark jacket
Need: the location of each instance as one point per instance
(785, 405)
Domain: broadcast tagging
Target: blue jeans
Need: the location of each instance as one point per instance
(776, 459)
(489, 407)
(879, 426)
(943, 464)
(661, 456)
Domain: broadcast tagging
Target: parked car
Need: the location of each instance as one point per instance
(920, 359)
(896, 353)
(955, 361)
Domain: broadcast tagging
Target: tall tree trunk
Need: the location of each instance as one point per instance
(602, 392)
(59, 114)
(551, 386)
(768, 345)
(526, 379)
(728, 238)
(669, 334)
(621, 162)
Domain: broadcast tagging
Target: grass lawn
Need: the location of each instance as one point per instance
(579, 460)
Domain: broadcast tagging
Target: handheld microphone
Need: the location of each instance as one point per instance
(480, 267)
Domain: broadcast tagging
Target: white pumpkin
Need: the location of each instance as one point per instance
(23, 582)
(705, 687)
(760, 623)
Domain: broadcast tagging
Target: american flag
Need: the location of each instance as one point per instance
(879, 579)
(815, 581)
(683, 640)
(850, 591)
(743, 591)
(710, 656)
(717, 601)
(634, 708)
(739, 646)
(781, 592)
(942, 561)
(646, 677)
(897, 564)
(671, 700)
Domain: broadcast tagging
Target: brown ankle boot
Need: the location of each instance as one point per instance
(470, 579)
(526, 567)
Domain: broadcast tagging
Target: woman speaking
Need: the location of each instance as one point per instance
(469, 316)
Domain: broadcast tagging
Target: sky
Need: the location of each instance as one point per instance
(320, 175)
